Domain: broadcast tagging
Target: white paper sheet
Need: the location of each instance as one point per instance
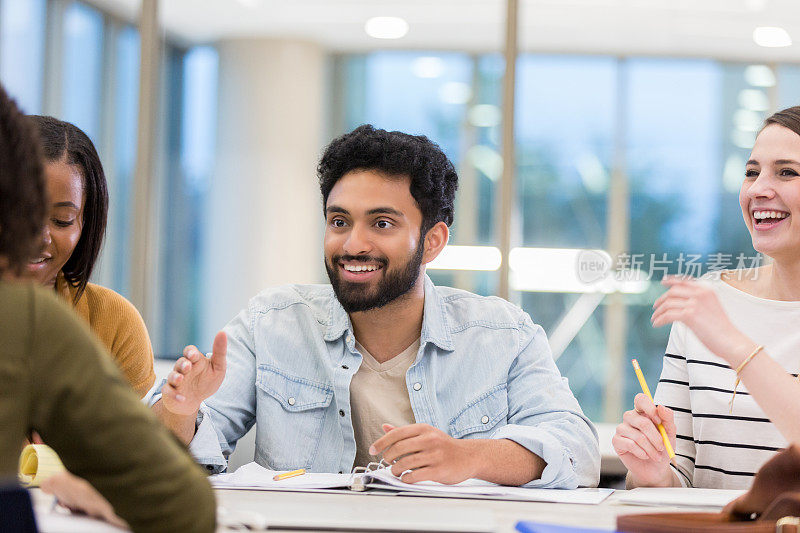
(254, 476)
(678, 496)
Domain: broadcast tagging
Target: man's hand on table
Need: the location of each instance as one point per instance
(426, 453)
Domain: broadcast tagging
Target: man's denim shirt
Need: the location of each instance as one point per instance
(484, 370)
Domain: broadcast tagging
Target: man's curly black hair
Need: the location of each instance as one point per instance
(23, 197)
(433, 178)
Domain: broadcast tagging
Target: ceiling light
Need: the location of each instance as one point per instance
(771, 37)
(571, 270)
(467, 258)
(487, 160)
(759, 76)
(455, 92)
(484, 116)
(743, 139)
(753, 100)
(386, 27)
(733, 174)
(746, 120)
(427, 67)
(592, 172)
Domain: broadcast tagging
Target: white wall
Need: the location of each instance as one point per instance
(264, 214)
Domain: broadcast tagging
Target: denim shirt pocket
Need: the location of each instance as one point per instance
(480, 417)
(291, 415)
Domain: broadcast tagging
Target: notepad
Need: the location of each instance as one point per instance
(255, 476)
(683, 497)
(37, 463)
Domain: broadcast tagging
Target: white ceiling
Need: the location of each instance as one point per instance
(716, 28)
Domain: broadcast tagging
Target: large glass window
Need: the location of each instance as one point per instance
(674, 166)
(565, 122)
(451, 98)
(116, 255)
(22, 45)
(683, 129)
(192, 102)
(83, 68)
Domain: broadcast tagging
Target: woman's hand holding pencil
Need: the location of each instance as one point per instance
(641, 447)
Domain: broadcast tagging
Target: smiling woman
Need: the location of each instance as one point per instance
(730, 327)
(73, 236)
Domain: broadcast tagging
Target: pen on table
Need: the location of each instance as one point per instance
(646, 390)
(287, 475)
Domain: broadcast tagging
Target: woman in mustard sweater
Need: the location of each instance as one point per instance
(73, 237)
(56, 379)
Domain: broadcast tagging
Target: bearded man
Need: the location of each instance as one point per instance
(442, 384)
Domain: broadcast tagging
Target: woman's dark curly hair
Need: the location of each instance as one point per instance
(62, 141)
(23, 196)
(433, 179)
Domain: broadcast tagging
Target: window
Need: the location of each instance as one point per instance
(119, 168)
(22, 44)
(83, 69)
(565, 122)
(683, 127)
(192, 101)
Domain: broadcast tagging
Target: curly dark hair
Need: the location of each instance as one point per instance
(433, 178)
(62, 141)
(23, 196)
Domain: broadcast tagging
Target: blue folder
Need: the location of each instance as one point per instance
(536, 527)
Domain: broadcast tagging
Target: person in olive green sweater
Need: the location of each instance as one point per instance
(56, 379)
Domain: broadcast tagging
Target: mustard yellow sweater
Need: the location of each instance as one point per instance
(120, 328)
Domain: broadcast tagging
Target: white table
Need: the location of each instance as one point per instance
(355, 509)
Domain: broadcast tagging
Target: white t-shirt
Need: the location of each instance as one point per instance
(716, 448)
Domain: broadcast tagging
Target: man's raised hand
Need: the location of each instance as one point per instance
(195, 377)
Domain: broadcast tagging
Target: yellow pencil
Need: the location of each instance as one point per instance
(646, 390)
(287, 475)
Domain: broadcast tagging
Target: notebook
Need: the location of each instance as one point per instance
(688, 497)
(255, 476)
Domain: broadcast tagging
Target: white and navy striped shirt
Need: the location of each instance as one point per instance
(716, 448)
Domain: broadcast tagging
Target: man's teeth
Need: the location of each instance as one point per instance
(40, 260)
(360, 268)
(760, 215)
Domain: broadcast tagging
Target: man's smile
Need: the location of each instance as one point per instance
(359, 271)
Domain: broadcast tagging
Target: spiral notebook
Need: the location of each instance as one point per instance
(255, 477)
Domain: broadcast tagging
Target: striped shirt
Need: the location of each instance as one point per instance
(716, 448)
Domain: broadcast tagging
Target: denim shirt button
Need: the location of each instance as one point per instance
(341, 412)
(485, 419)
(290, 401)
(417, 386)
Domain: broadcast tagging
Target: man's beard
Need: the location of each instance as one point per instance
(356, 297)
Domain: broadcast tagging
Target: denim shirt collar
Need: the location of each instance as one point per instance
(435, 326)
